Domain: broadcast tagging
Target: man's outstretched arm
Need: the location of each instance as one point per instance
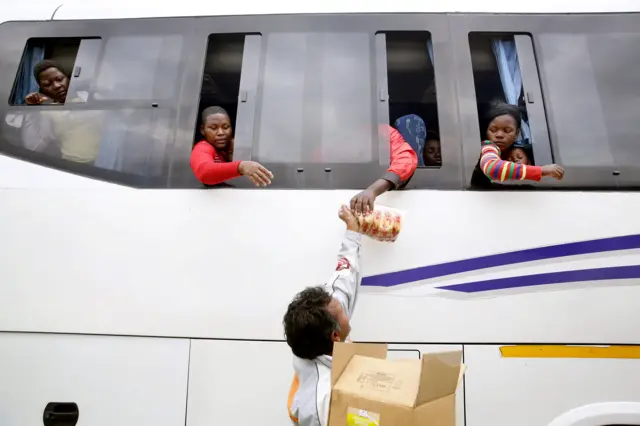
(347, 277)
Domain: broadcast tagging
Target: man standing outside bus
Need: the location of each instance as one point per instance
(315, 319)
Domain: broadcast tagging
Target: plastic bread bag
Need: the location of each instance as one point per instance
(383, 224)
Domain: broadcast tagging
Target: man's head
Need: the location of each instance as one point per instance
(313, 322)
(53, 82)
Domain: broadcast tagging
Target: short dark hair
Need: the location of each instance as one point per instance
(501, 108)
(42, 66)
(308, 325)
(211, 111)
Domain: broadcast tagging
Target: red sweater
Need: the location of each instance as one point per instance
(210, 167)
(404, 160)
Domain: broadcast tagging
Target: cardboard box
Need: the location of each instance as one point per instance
(369, 390)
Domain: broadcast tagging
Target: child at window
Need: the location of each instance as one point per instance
(212, 159)
(502, 131)
(432, 151)
(518, 155)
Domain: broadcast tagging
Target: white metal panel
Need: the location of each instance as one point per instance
(535, 391)
(79, 9)
(22, 174)
(239, 383)
(194, 263)
(121, 381)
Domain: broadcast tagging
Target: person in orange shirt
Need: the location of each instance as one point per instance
(404, 162)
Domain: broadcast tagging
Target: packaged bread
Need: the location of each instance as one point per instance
(383, 224)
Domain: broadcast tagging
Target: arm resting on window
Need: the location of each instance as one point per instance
(208, 171)
(499, 170)
(404, 160)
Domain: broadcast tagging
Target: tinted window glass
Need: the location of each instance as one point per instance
(317, 104)
(128, 141)
(593, 94)
(141, 67)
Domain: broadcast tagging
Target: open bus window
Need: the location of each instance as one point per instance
(48, 87)
(230, 81)
(497, 77)
(504, 72)
(413, 109)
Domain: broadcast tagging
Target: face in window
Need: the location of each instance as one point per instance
(217, 130)
(503, 131)
(432, 155)
(54, 84)
(518, 155)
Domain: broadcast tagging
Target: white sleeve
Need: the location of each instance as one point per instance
(323, 410)
(345, 281)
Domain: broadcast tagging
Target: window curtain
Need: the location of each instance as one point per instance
(26, 81)
(509, 69)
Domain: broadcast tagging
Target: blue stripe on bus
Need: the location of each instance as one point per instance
(603, 245)
(595, 274)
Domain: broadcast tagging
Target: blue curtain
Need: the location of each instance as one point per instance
(27, 82)
(509, 69)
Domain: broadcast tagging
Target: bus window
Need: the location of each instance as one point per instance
(592, 92)
(317, 100)
(413, 110)
(504, 72)
(139, 68)
(116, 120)
(64, 53)
(496, 74)
(229, 81)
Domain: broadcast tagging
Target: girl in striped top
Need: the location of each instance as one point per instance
(502, 131)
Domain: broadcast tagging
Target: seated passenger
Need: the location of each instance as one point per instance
(432, 152)
(404, 162)
(517, 154)
(53, 83)
(212, 159)
(76, 133)
(502, 131)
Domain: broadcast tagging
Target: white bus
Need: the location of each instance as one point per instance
(132, 295)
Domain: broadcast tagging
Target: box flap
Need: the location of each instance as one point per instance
(343, 352)
(440, 375)
(382, 381)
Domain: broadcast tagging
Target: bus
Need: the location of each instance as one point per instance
(130, 294)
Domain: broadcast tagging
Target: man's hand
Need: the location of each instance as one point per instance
(363, 202)
(349, 219)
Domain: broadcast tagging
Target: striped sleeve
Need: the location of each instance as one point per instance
(499, 170)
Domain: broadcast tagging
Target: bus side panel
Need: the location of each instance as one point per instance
(113, 380)
(533, 385)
